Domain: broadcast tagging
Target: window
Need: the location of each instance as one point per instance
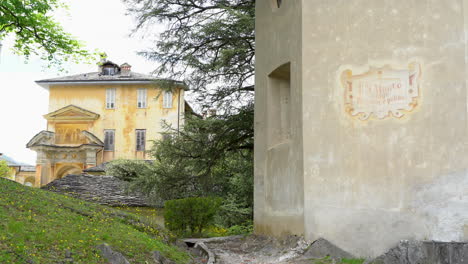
(108, 71)
(110, 98)
(141, 97)
(140, 139)
(167, 99)
(109, 140)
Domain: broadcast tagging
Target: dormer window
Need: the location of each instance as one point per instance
(108, 71)
(109, 68)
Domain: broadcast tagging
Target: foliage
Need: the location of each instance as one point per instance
(194, 213)
(128, 170)
(240, 230)
(4, 169)
(36, 32)
(211, 45)
(208, 157)
(207, 42)
(39, 227)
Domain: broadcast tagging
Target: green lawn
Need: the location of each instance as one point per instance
(39, 227)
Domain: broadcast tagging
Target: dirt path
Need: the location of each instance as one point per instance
(256, 250)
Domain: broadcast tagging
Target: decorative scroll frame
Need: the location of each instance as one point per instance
(381, 92)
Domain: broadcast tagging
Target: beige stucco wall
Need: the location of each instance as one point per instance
(125, 118)
(369, 184)
(278, 171)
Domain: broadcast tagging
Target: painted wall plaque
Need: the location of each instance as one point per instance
(381, 92)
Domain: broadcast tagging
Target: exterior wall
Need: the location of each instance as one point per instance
(125, 118)
(25, 177)
(394, 178)
(278, 153)
(369, 184)
(12, 173)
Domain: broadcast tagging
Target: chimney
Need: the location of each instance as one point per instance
(125, 69)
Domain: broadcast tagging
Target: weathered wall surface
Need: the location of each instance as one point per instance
(278, 138)
(370, 183)
(125, 118)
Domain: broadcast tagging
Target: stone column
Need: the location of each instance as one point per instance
(42, 170)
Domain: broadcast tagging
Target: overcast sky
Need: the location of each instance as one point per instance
(101, 24)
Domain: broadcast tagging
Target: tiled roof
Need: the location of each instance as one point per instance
(98, 76)
(13, 163)
(28, 168)
(99, 168)
(10, 161)
(102, 167)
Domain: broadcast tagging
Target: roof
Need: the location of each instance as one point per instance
(99, 78)
(28, 168)
(13, 163)
(99, 168)
(10, 161)
(102, 167)
(47, 139)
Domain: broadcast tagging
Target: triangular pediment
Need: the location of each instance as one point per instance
(72, 112)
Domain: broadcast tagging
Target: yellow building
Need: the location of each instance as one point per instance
(97, 117)
(20, 172)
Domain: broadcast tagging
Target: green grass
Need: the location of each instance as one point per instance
(153, 216)
(39, 227)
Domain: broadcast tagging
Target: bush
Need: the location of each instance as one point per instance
(246, 229)
(193, 213)
(128, 170)
(4, 169)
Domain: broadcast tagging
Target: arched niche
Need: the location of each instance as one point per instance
(279, 105)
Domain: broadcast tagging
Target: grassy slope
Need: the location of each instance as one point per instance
(40, 226)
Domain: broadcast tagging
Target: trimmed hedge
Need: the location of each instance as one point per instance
(193, 213)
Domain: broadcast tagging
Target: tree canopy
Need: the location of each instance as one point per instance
(37, 33)
(209, 43)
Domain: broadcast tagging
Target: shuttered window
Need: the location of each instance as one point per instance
(140, 139)
(167, 99)
(110, 98)
(141, 97)
(109, 140)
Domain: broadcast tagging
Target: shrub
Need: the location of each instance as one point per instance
(194, 213)
(4, 169)
(128, 170)
(246, 229)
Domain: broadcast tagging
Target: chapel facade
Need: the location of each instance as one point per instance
(97, 117)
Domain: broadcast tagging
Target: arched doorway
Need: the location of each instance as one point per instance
(30, 181)
(66, 170)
